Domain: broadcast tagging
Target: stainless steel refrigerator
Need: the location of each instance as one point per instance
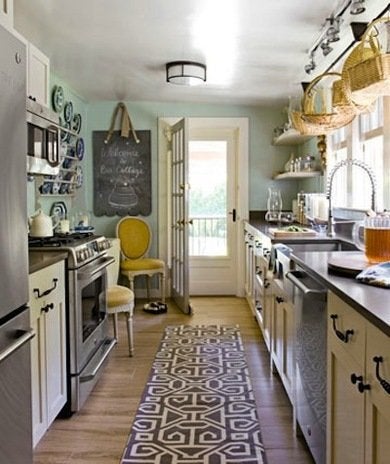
(15, 332)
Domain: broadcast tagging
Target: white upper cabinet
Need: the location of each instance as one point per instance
(7, 13)
(38, 75)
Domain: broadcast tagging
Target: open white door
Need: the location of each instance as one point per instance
(179, 216)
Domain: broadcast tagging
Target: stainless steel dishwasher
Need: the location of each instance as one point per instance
(309, 298)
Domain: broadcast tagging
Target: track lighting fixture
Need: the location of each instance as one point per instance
(326, 48)
(357, 7)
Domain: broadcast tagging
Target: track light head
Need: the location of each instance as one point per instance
(326, 48)
(357, 7)
(332, 33)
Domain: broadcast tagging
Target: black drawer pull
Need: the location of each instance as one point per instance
(362, 387)
(47, 308)
(46, 292)
(343, 337)
(384, 383)
(279, 299)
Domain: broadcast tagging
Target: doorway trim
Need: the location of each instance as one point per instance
(241, 125)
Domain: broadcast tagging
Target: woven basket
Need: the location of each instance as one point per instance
(302, 126)
(370, 75)
(321, 118)
(341, 98)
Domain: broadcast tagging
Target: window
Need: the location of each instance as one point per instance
(364, 139)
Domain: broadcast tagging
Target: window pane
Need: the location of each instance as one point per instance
(208, 198)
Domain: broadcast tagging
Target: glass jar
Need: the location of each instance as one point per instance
(274, 205)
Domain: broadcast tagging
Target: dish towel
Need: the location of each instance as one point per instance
(126, 124)
(378, 275)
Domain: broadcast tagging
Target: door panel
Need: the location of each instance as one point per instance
(179, 216)
(212, 173)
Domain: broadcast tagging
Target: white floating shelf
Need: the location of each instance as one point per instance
(297, 175)
(291, 137)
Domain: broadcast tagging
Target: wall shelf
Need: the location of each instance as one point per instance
(297, 175)
(291, 137)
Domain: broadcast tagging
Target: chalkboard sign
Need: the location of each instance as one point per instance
(122, 175)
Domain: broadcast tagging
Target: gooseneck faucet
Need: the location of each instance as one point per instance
(348, 162)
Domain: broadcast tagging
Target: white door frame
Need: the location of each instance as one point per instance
(241, 125)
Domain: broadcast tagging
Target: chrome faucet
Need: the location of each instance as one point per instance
(348, 162)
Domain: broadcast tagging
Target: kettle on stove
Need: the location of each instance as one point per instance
(41, 225)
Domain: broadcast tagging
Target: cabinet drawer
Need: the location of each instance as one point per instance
(346, 327)
(46, 285)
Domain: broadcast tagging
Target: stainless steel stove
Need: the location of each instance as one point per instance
(88, 343)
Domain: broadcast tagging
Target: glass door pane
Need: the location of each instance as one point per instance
(208, 198)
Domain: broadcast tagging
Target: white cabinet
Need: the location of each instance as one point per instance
(38, 75)
(48, 349)
(282, 339)
(358, 412)
(7, 14)
(258, 278)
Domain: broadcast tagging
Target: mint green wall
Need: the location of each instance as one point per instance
(264, 159)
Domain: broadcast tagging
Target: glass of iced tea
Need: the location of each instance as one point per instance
(373, 237)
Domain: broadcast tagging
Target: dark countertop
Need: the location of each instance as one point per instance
(372, 302)
(41, 259)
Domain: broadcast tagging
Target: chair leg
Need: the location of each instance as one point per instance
(130, 332)
(115, 319)
(162, 287)
(148, 287)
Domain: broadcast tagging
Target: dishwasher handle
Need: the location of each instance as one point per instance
(297, 278)
(24, 337)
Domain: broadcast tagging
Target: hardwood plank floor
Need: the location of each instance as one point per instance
(99, 432)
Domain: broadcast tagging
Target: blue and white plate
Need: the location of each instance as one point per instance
(76, 123)
(68, 112)
(58, 98)
(80, 148)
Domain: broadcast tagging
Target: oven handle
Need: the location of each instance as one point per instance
(102, 265)
(107, 350)
(293, 276)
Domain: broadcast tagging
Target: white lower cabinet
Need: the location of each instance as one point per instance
(282, 339)
(358, 413)
(48, 349)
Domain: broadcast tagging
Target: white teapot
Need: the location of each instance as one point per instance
(41, 225)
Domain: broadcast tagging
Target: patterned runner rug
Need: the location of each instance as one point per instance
(198, 406)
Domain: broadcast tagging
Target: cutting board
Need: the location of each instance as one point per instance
(348, 264)
(283, 233)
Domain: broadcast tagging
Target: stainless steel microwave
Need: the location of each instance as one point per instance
(43, 140)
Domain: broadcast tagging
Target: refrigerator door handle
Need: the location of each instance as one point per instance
(20, 341)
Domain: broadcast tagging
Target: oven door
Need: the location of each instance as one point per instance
(87, 313)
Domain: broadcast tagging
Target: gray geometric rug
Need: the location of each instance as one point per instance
(198, 405)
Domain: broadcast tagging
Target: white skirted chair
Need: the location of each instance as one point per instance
(120, 299)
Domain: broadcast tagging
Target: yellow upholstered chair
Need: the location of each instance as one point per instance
(135, 238)
(120, 299)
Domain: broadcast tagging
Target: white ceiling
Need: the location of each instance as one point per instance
(254, 50)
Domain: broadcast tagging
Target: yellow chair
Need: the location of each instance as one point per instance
(120, 299)
(135, 238)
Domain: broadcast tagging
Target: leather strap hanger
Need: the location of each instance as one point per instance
(126, 124)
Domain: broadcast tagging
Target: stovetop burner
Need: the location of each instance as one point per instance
(82, 247)
(58, 240)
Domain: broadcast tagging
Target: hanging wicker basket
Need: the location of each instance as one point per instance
(317, 114)
(302, 126)
(370, 75)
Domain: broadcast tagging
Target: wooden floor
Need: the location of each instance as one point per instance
(98, 433)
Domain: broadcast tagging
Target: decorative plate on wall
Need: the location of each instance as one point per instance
(76, 124)
(68, 112)
(58, 98)
(80, 148)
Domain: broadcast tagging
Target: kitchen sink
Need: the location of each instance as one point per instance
(328, 245)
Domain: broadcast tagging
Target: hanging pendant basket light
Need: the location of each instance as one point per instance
(186, 72)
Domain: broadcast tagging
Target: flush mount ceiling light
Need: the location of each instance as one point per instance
(357, 7)
(186, 72)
